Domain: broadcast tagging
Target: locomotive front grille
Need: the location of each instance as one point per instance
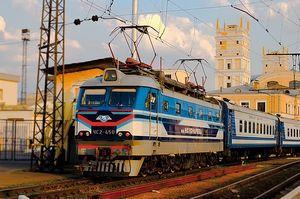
(103, 168)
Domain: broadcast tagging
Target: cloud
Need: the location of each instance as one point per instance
(182, 33)
(27, 4)
(281, 8)
(73, 44)
(2, 24)
(7, 35)
(12, 36)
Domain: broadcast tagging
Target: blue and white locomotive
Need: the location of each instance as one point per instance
(129, 125)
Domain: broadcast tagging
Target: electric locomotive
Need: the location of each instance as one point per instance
(129, 125)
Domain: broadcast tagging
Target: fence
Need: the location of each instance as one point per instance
(15, 136)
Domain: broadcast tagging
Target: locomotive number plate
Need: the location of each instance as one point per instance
(104, 131)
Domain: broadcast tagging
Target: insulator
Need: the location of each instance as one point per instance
(77, 22)
(95, 18)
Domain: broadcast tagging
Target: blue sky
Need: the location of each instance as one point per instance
(190, 30)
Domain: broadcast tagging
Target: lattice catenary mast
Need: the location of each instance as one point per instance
(48, 147)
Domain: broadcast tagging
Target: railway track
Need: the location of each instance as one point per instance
(266, 184)
(87, 188)
(35, 190)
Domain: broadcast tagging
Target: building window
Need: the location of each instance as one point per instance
(228, 65)
(178, 108)
(261, 106)
(168, 76)
(220, 54)
(237, 53)
(245, 104)
(228, 77)
(294, 84)
(1, 94)
(245, 126)
(221, 42)
(237, 42)
(228, 85)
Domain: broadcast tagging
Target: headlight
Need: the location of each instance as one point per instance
(110, 75)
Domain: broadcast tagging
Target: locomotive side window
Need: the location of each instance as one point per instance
(190, 111)
(209, 115)
(178, 108)
(166, 105)
(92, 97)
(151, 101)
(200, 113)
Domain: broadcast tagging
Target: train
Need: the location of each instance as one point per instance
(132, 124)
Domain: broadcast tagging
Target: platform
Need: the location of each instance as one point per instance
(16, 173)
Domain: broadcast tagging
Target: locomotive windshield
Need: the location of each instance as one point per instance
(93, 97)
(122, 97)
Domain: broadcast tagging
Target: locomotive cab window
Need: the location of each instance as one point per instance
(93, 97)
(122, 97)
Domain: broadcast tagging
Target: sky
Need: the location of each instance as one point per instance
(187, 29)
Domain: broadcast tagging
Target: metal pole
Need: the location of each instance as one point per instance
(134, 31)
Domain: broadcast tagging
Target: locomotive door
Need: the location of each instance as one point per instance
(153, 113)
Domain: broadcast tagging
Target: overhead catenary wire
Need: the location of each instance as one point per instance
(258, 21)
(168, 44)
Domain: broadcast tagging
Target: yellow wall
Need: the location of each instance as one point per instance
(285, 105)
(71, 88)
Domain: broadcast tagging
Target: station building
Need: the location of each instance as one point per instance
(9, 107)
(232, 55)
(276, 90)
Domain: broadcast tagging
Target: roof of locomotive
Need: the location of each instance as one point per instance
(123, 80)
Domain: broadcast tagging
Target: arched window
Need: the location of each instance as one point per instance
(272, 83)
